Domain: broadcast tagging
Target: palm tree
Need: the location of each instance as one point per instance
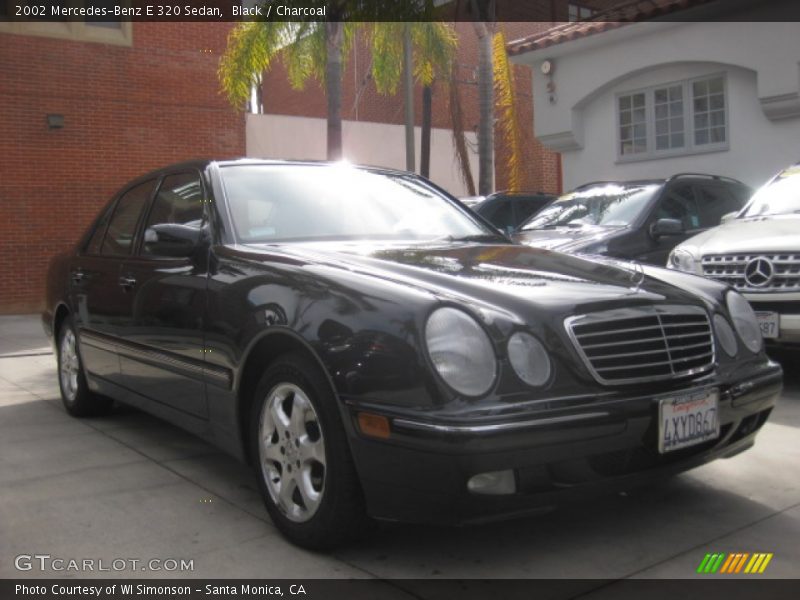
(307, 49)
(318, 50)
(484, 12)
(416, 50)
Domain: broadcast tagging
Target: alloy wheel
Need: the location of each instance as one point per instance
(292, 452)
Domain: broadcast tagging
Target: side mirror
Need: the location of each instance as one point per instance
(666, 227)
(728, 217)
(172, 239)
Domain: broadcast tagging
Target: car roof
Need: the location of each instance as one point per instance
(661, 181)
(201, 164)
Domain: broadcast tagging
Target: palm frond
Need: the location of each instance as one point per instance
(434, 46)
(459, 137)
(386, 40)
(507, 111)
(252, 46)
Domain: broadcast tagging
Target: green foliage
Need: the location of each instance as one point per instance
(433, 46)
(505, 102)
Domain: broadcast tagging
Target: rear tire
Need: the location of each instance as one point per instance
(78, 399)
(302, 459)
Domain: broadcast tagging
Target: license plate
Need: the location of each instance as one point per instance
(687, 419)
(770, 323)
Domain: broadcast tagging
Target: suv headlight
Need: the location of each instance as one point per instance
(682, 260)
(460, 351)
(529, 359)
(744, 321)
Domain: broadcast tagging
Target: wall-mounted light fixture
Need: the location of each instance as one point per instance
(55, 121)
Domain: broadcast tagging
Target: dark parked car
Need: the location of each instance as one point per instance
(634, 220)
(373, 348)
(508, 210)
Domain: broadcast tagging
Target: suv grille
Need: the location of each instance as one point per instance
(649, 343)
(778, 272)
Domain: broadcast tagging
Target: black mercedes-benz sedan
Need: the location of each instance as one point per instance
(375, 349)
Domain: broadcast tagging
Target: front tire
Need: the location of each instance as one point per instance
(78, 399)
(302, 459)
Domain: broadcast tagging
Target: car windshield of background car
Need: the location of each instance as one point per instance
(276, 203)
(780, 197)
(604, 205)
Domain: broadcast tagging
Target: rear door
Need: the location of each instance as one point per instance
(99, 299)
(161, 345)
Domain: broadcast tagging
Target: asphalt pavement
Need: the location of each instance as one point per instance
(128, 486)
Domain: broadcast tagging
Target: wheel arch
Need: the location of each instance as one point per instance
(262, 352)
(59, 316)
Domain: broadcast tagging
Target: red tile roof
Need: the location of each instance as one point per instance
(623, 14)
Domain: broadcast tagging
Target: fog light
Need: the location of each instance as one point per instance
(494, 483)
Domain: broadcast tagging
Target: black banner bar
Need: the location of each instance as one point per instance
(730, 588)
(395, 10)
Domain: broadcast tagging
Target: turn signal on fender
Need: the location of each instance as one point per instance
(373, 425)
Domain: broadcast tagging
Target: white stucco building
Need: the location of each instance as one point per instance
(651, 99)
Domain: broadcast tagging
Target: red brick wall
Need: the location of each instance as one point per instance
(127, 110)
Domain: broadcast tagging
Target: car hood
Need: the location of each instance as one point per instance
(565, 239)
(778, 233)
(502, 275)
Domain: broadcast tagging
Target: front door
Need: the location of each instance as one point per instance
(161, 345)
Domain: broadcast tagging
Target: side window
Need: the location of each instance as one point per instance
(679, 203)
(179, 202)
(527, 207)
(96, 241)
(500, 213)
(121, 234)
(716, 201)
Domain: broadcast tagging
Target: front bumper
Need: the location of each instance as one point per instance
(420, 474)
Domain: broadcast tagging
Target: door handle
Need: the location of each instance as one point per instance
(78, 277)
(127, 282)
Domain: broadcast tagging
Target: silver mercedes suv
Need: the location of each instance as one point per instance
(757, 251)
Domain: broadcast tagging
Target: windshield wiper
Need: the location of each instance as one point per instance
(481, 237)
(557, 225)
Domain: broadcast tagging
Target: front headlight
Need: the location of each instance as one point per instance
(529, 359)
(460, 351)
(725, 335)
(682, 260)
(744, 321)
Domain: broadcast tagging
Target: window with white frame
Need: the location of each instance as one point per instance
(683, 117)
(89, 29)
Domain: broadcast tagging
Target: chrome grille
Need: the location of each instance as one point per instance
(648, 343)
(730, 269)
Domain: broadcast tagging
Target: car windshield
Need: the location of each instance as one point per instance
(607, 205)
(271, 203)
(779, 197)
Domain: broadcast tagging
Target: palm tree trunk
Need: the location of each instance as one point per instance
(408, 88)
(425, 142)
(485, 109)
(333, 85)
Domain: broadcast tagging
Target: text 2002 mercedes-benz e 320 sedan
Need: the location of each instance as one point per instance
(374, 348)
